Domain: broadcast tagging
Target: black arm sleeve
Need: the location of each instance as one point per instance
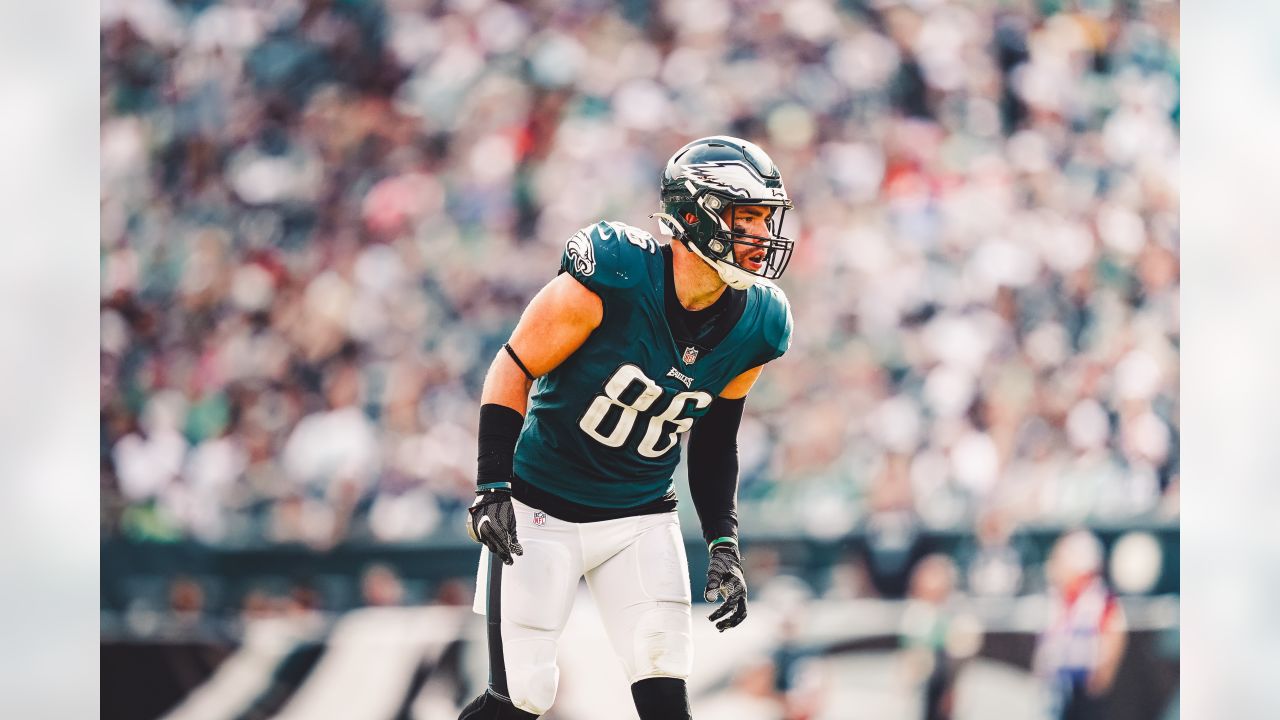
(713, 468)
(499, 431)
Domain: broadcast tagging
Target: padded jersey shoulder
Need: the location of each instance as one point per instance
(610, 256)
(776, 323)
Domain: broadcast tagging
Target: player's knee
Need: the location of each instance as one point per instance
(661, 698)
(532, 675)
(534, 688)
(663, 644)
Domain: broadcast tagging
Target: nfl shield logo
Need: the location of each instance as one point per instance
(539, 518)
(690, 354)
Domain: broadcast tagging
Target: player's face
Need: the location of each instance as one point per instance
(750, 220)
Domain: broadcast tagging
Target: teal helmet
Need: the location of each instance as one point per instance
(712, 177)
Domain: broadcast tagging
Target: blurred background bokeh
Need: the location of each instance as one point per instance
(321, 218)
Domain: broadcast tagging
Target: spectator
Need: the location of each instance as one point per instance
(1079, 653)
(381, 587)
(928, 635)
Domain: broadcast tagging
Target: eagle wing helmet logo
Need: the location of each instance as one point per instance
(732, 177)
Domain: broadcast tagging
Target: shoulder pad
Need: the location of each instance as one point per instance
(609, 255)
(777, 319)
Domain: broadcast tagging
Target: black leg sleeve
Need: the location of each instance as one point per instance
(661, 698)
(713, 468)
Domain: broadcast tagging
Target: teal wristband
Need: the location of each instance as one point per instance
(722, 540)
(490, 487)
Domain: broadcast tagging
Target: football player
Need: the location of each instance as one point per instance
(633, 344)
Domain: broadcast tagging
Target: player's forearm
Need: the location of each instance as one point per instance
(713, 469)
(502, 406)
(715, 499)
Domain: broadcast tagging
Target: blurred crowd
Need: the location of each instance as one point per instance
(321, 218)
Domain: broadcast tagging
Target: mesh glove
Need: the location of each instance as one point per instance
(493, 524)
(724, 579)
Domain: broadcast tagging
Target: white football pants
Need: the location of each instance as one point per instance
(638, 574)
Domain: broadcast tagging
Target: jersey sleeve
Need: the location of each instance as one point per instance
(607, 257)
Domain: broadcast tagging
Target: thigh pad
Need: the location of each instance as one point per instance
(538, 589)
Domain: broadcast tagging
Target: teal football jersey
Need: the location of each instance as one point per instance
(603, 429)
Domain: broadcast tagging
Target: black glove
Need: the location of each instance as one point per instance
(724, 579)
(493, 524)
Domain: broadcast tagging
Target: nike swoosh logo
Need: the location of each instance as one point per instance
(480, 525)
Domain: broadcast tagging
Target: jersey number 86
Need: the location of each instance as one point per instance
(658, 440)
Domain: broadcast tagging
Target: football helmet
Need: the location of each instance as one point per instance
(709, 176)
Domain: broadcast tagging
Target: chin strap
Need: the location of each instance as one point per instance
(732, 275)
